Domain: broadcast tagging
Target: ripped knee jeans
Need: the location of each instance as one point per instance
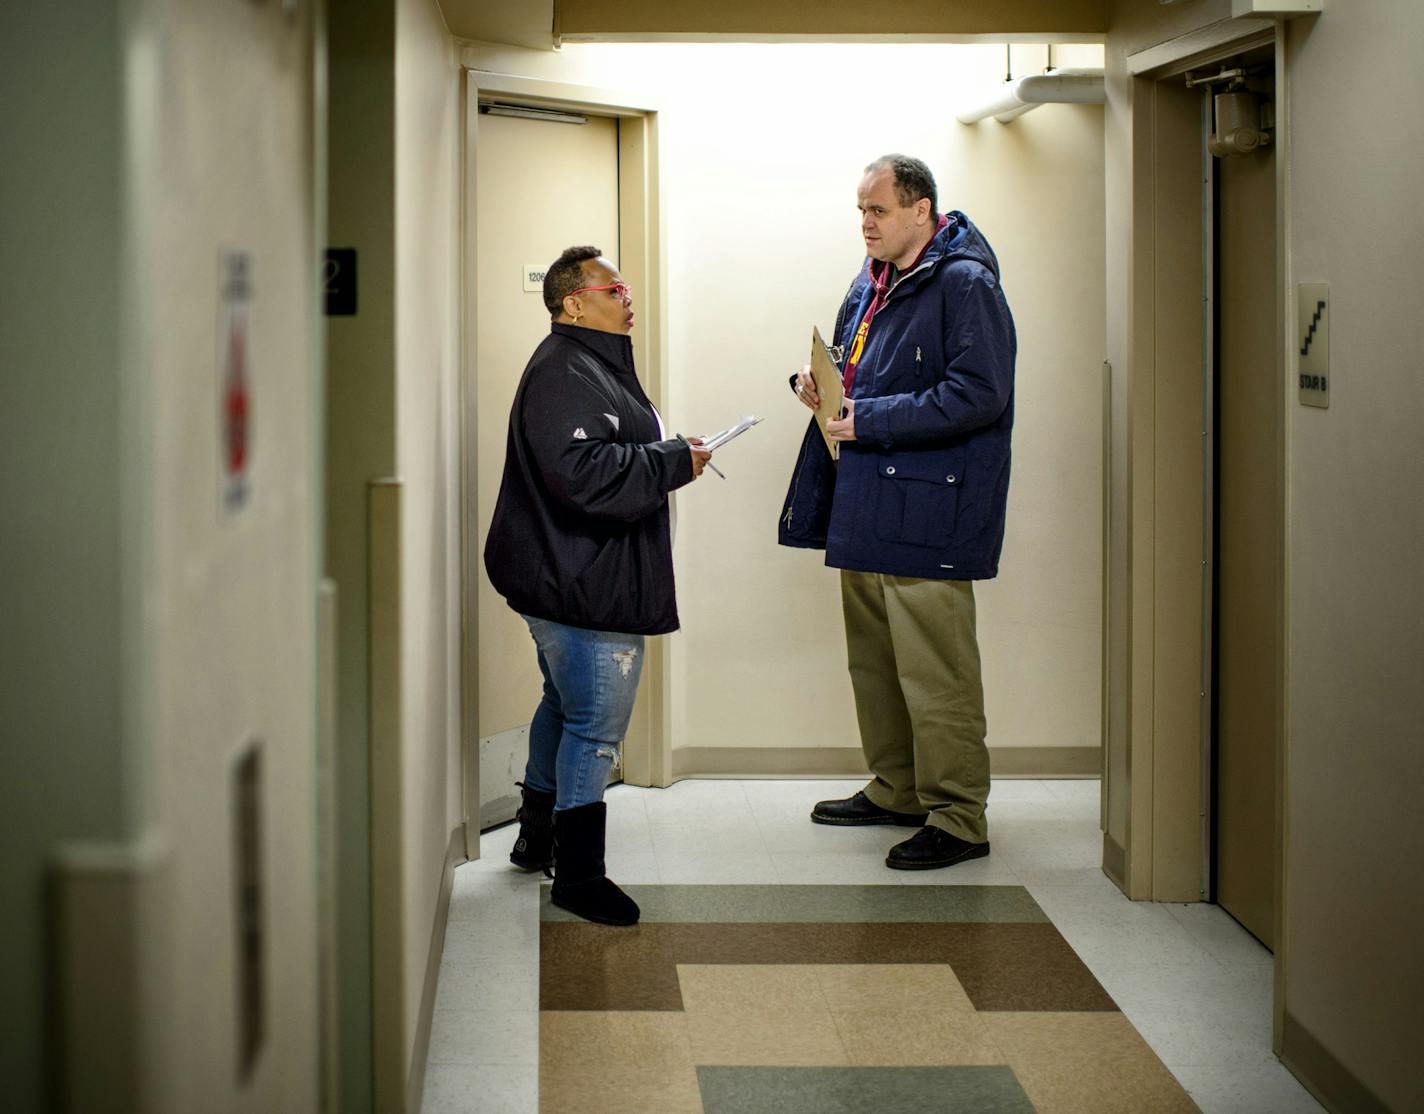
(590, 682)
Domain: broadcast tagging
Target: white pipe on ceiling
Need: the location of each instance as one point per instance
(1024, 94)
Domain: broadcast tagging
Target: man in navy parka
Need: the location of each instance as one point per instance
(913, 513)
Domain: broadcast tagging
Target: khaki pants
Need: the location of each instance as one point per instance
(914, 667)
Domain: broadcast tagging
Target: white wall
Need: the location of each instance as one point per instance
(761, 150)
(156, 136)
(427, 144)
(393, 413)
(1353, 904)
(222, 158)
(1355, 830)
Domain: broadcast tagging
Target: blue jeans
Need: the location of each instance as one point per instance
(590, 682)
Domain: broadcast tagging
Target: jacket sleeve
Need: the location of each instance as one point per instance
(567, 428)
(973, 389)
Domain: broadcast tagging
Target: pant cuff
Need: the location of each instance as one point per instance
(947, 821)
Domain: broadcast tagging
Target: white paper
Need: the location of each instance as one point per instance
(717, 440)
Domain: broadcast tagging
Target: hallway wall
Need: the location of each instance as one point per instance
(1355, 828)
(154, 628)
(761, 147)
(427, 291)
(1353, 905)
(62, 740)
(394, 550)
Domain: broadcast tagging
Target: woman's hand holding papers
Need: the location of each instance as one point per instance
(700, 456)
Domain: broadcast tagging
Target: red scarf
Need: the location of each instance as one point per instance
(882, 286)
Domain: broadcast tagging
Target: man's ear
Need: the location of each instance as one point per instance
(571, 306)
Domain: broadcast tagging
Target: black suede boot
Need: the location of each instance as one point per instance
(580, 884)
(534, 849)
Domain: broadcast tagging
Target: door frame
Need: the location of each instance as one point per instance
(1161, 627)
(647, 755)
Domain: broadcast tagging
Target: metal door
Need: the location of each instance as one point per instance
(541, 186)
(1249, 516)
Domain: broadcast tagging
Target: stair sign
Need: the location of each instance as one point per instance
(1312, 328)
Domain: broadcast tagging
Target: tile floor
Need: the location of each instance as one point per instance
(806, 999)
(1193, 983)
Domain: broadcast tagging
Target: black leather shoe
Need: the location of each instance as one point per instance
(930, 848)
(860, 809)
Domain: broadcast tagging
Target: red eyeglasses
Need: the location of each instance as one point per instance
(621, 290)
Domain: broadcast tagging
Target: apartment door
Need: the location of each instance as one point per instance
(1248, 536)
(541, 185)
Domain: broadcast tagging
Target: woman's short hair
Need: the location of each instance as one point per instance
(913, 180)
(564, 276)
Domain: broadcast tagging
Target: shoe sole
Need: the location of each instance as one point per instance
(592, 919)
(529, 866)
(974, 851)
(908, 821)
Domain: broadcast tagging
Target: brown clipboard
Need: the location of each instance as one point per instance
(828, 386)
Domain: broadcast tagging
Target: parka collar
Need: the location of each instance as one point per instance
(958, 238)
(615, 349)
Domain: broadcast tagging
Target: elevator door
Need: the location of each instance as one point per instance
(1248, 539)
(540, 187)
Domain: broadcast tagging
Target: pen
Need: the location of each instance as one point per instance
(710, 465)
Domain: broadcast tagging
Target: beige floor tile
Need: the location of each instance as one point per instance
(892, 1014)
(908, 986)
(926, 1037)
(766, 1040)
(616, 1061)
(1086, 1063)
(768, 1016)
(747, 989)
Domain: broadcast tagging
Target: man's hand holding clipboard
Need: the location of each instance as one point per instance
(818, 385)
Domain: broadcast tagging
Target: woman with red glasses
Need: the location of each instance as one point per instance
(580, 546)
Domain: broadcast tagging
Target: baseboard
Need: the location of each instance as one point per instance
(1050, 762)
(816, 762)
(415, 1086)
(1336, 1087)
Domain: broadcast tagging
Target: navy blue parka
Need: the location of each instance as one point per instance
(922, 489)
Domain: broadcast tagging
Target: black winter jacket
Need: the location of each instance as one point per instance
(580, 533)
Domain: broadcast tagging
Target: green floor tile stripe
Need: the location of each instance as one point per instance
(746, 1090)
(824, 905)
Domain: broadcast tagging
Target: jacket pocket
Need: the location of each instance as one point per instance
(916, 501)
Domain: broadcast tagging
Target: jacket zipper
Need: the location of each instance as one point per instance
(795, 486)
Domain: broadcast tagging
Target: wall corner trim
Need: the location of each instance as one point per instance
(390, 1049)
(105, 942)
(454, 856)
(1115, 863)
